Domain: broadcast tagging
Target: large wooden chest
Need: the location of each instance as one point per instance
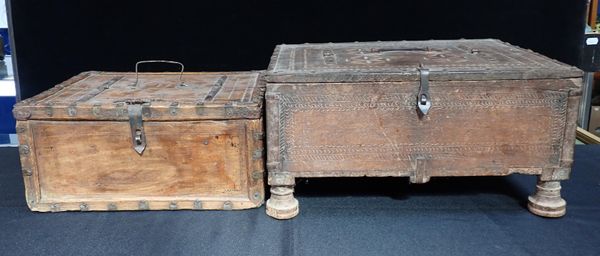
(419, 109)
(149, 141)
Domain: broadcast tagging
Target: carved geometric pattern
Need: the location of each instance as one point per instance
(457, 54)
(324, 103)
(406, 151)
(527, 99)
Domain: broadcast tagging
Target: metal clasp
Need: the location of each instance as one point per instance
(136, 123)
(423, 99)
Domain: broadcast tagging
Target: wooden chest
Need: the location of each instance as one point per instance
(419, 109)
(158, 141)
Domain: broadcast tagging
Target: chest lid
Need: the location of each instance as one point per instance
(481, 59)
(160, 97)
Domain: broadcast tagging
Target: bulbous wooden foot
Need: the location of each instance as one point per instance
(546, 201)
(282, 204)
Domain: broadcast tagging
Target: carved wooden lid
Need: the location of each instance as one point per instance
(164, 96)
(482, 59)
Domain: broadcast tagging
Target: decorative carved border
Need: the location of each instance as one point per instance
(290, 104)
(487, 51)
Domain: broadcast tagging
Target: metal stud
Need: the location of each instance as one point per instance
(49, 110)
(21, 129)
(84, 207)
(257, 154)
(24, 149)
(96, 109)
(227, 205)
(27, 172)
(146, 111)
(229, 111)
(173, 205)
(256, 175)
(258, 135)
(72, 110)
(197, 204)
(173, 108)
(111, 207)
(123, 112)
(55, 207)
(256, 195)
(143, 205)
(22, 114)
(200, 108)
(120, 109)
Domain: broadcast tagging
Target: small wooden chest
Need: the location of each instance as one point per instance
(149, 141)
(419, 109)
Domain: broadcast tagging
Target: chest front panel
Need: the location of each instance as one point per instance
(186, 165)
(184, 159)
(473, 128)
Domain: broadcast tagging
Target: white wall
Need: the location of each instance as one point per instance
(3, 19)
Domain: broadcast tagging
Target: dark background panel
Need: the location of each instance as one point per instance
(7, 125)
(58, 39)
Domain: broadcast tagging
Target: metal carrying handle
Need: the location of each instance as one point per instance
(137, 74)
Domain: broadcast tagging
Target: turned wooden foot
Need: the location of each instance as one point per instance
(546, 201)
(282, 204)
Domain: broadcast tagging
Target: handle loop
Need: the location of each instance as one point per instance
(137, 74)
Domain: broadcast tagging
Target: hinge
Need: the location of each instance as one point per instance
(423, 99)
(136, 123)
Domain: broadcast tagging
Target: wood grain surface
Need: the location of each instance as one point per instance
(465, 59)
(204, 143)
(97, 95)
(352, 109)
(374, 129)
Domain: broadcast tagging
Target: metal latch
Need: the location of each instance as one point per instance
(136, 108)
(423, 99)
(138, 137)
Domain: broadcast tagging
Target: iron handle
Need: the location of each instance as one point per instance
(137, 74)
